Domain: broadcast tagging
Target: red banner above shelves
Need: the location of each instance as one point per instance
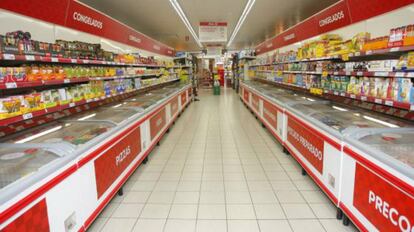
(75, 15)
(341, 14)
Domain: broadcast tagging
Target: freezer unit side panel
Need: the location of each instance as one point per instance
(110, 165)
(72, 200)
(174, 106)
(36, 218)
(375, 201)
(157, 122)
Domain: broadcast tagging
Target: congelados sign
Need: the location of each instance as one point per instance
(87, 20)
(309, 144)
(332, 18)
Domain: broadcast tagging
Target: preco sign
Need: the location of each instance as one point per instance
(309, 144)
(332, 18)
(87, 20)
(383, 204)
(134, 39)
(289, 37)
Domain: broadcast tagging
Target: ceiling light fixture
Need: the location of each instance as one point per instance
(380, 122)
(183, 17)
(243, 16)
(35, 136)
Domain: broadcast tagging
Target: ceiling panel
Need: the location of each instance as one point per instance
(157, 18)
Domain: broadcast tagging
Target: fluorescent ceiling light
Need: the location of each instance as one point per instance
(310, 99)
(183, 17)
(381, 122)
(35, 136)
(339, 108)
(87, 117)
(243, 16)
(116, 106)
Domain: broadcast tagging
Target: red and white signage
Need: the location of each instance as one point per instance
(246, 95)
(383, 204)
(110, 165)
(256, 102)
(341, 14)
(212, 32)
(157, 122)
(183, 98)
(174, 105)
(33, 220)
(83, 18)
(270, 114)
(309, 144)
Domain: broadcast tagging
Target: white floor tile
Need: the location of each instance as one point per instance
(211, 226)
(238, 198)
(119, 224)
(175, 225)
(156, 211)
(240, 212)
(161, 197)
(136, 197)
(149, 225)
(212, 212)
(269, 211)
(127, 211)
(212, 198)
(186, 197)
(183, 212)
(274, 226)
(242, 226)
(306, 225)
(324, 211)
(298, 211)
(289, 197)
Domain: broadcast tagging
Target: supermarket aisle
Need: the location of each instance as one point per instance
(219, 170)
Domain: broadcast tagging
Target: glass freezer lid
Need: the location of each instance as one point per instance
(140, 104)
(76, 133)
(116, 115)
(16, 163)
(397, 144)
(342, 118)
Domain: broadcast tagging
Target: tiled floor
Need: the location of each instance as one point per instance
(219, 170)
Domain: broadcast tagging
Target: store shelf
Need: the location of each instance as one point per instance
(48, 59)
(350, 73)
(338, 94)
(31, 84)
(354, 56)
(31, 115)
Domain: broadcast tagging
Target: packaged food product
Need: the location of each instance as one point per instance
(10, 107)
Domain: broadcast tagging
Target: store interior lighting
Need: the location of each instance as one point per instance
(35, 136)
(184, 18)
(243, 16)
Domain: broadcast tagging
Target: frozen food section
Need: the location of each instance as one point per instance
(357, 157)
(76, 164)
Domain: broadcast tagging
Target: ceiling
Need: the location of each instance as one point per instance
(158, 19)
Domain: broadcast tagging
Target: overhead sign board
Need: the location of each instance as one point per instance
(212, 32)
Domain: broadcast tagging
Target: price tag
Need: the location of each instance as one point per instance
(410, 74)
(399, 74)
(363, 98)
(378, 101)
(353, 96)
(324, 73)
(369, 52)
(27, 116)
(342, 94)
(335, 73)
(389, 103)
(96, 99)
(316, 91)
(72, 104)
(359, 73)
(66, 81)
(336, 93)
(89, 100)
(357, 53)
(9, 57)
(412, 108)
(326, 91)
(73, 61)
(30, 58)
(348, 73)
(11, 85)
(85, 61)
(54, 59)
(381, 74)
(394, 49)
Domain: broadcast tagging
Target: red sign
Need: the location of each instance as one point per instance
(33, 220)
(309, 144)
(246, 95)
(255, 102)
(216, 24)
(270, 114)
(75, 15)
(157, 122)
(333, 17)
(385, 206)
(174, 106)
(110, 165)
(183, 98)
(339, 15)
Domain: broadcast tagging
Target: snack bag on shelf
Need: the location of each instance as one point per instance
(51, 98)
(372, 87)
(344, 83)
(359, 87)
(365, 86)
(10, 107)
(395, 89)
(404, 92)
(351, 86)
(32, 102)
(64, 96)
